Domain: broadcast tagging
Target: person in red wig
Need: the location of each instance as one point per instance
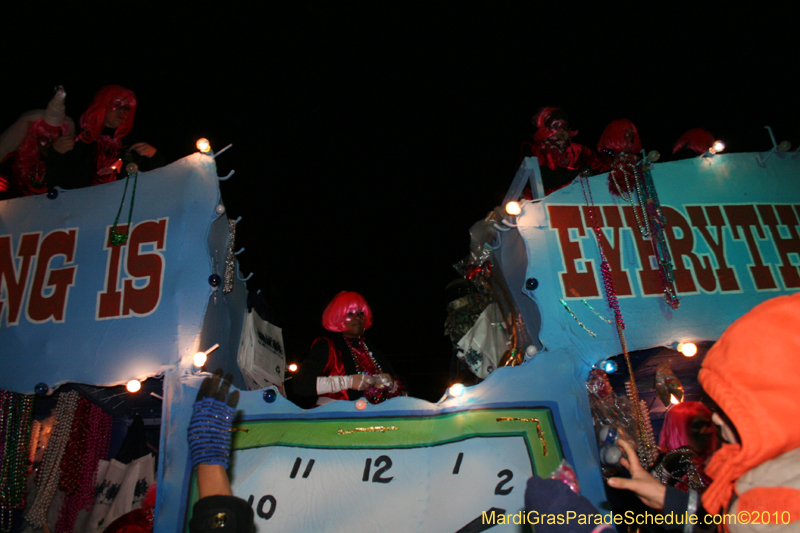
(619, 148)
(687, 440)
(26, 143)
(342, 366)
(105, 144)
(693, 143)
(560, 159)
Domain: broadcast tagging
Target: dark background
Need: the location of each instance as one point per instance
(368, 138)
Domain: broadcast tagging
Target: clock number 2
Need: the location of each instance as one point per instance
(386, 463)
(506, 475)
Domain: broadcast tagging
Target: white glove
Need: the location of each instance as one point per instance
(330, 384)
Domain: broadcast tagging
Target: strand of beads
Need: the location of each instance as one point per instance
(656, 222)
(95, 439)
(72, 464)
(16, 421)
(50, 471)
(593, 310)
(581, 324)
(645, 436)
(99, 440)
(605, 267)
(366, 364)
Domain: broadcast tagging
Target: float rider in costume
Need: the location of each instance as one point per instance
(560, 159)
(105, 144)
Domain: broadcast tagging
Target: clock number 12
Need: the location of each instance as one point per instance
(382, 463)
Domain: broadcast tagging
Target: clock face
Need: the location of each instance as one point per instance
(435, 473)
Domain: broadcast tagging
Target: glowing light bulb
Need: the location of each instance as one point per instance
(688, 349)
(673, 400)
(133, 385)
(513, 208)
(200, 359)
(718, 147)
(608, 366)
(203, 145)
(456, 390)
(292, 367)
(653, 156)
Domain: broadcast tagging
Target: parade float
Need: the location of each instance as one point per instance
(706, 240)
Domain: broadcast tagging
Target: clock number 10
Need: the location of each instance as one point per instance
(382, 464)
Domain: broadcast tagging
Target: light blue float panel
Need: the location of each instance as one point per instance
(74, 308)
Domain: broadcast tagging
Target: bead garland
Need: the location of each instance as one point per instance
(605, 267)
(230, 259)
(15, 430)
(581, 324)
(88, 444)
(366, 364)
(624, 166)
(593, 310)
(652, 221)
(646, 449)
(49, 472)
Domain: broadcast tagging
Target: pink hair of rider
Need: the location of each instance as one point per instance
(333, 318)
(676, 432)
(93, 120)
(614, 140)
(697, 140)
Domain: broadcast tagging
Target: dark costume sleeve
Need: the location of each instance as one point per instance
(216, 514)
(71, 170)
(144, 163)
(313, 366)
(680, 503)
(77, 168)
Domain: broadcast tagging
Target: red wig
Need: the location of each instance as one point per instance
(93, 120)
(615, 138)
(678, 430)
(542, 120)
(28, 167)
(333, 318)
(697, 140)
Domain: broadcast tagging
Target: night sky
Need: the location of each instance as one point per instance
(368, 138)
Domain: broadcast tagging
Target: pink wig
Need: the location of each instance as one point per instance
(93, 120)
(677, 430)
(542, 120)
(697, 140)
(614, 138)
(333, 318)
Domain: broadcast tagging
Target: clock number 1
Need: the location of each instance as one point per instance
(384, 462)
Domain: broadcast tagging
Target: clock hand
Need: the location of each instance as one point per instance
(477, 525)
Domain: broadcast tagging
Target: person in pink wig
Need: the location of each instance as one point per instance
(687, 440)
(342, 366)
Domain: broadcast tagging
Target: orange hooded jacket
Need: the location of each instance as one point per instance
(753, 374)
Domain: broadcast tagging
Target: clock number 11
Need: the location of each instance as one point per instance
(385, 463)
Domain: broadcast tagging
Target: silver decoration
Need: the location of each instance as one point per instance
(230, 260)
